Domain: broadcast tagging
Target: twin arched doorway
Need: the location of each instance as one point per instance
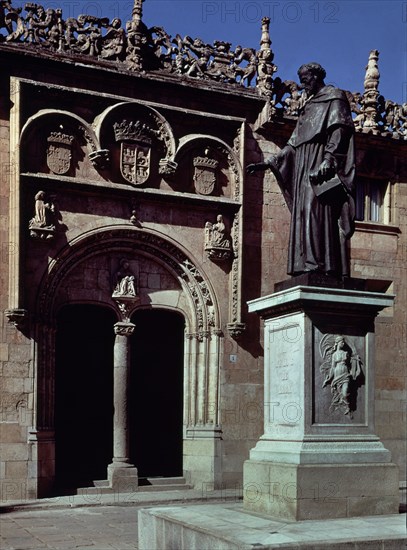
(84, 393)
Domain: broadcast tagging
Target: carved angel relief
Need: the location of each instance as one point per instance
(217, 243)
(342, 369)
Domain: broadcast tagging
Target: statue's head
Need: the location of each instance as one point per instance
(311, 77)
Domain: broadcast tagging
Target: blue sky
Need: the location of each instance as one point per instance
(338, 34)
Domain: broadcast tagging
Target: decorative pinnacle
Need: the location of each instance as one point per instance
(372, 75)
(137, 13)
(265, 41)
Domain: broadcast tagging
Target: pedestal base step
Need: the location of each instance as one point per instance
(229, 527)
(145, 484)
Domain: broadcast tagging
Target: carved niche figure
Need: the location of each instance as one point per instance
(125, 281)
(135, 140)
(217, 243)
(42, 225)
(59, 152)
(342, 367)
(205, 174)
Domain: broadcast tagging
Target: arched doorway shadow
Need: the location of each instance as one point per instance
(83, 395)
(156, 393)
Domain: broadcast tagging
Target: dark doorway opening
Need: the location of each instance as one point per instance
(84, 395)
(156, 399)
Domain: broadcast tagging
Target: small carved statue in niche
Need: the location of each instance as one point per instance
(341, 367)
(42, 225)
(217, 243)
(125, 282)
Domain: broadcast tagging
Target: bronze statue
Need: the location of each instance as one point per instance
(316, 172)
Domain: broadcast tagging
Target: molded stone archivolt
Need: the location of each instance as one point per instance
(133, 240)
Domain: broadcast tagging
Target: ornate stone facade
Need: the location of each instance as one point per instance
(149, 209)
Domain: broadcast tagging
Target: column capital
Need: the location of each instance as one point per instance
(124, 329)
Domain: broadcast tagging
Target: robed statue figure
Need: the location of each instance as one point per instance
(316, 171)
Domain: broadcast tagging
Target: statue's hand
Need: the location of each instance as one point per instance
(256, 167)
(326, 169)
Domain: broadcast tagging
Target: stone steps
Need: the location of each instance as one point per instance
(149, 484)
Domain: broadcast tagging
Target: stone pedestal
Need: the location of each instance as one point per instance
(122, 475)
(319, 456)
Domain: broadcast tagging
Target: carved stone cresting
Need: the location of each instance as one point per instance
(342, 369)
(124, 289)
(43, 224)
(59, 152)
(143, 49)
(218, 245)
(205, 174)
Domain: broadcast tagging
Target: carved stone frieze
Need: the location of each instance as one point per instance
(342, 369)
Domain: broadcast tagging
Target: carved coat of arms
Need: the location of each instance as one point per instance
(135, 150)
(205, 175)
(59, 152)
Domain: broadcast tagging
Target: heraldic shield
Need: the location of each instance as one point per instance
(205, 175)
(59, 152)
(135, 150)
(135, 162)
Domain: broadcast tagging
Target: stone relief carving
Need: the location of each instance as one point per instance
(43, 224)
(205, 174)
(124, 289)
(135, 140)
(59, 152)
(342, 369)
(217, 242)
(125, 282)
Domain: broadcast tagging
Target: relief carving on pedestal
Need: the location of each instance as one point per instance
(342, 369)
(217, 242)
(43, 224)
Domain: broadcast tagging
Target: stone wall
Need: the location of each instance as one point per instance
(94, 203)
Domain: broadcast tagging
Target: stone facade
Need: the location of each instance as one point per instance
(106, 163)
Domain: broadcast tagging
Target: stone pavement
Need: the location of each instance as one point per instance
(109, 522)
(87, 522)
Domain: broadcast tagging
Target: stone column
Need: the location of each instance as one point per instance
(122, 474)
